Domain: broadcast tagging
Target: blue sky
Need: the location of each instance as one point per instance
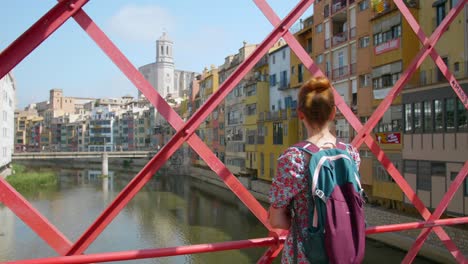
(204, 32)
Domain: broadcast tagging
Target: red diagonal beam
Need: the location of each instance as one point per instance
(461, 94)
(417, 61)
(344, 108)
(293, 43)
(37, 33)
(9, 58)
(31, 217)
(184, 133)
(436, 215)
(434, 55)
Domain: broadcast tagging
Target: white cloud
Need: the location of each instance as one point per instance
(141, 22)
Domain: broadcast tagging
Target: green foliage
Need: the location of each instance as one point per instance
(31, 181)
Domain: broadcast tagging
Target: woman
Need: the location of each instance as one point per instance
(288, 190)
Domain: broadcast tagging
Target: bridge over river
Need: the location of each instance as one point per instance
(82, 155)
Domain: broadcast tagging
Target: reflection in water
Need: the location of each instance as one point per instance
(170, 210)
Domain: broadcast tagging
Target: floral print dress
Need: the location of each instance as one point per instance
(290, 182)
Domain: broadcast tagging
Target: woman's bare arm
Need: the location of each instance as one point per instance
(279, 217)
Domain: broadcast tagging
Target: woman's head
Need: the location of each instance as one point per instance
(316, 102)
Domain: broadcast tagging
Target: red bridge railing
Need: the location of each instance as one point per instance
(73, 252)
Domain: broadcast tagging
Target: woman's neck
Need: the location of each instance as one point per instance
(320, 136)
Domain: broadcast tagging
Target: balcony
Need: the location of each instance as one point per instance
(343, 72)
(284, 86)
(338, 5)
(339, 38)
(352, 33)
(327, 43)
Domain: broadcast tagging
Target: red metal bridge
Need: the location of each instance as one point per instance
(74, 252)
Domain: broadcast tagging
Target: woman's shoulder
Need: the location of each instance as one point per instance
(353, 152)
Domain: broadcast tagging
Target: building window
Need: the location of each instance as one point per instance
(277, 133)
(273, 59)
(326, 11)
(284, 54)
(262, 164)
(318, 28)
(319, 59)
(450, 114)
(273, 80)
(438, 169)
(364, 42)
(428, 125)
(456, 67)
(417, 108)
(462, 122)
(440, 13)
(364, 80)
(408, 118)
(284, 79)
(423, 178)
(299, 73)
(453, 3)
(292, 70)
(438, 115)
(363, 5)
(309, 45)
(411, 166)
(465, 193)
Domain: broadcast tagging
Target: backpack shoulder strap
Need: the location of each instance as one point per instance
(307, 147)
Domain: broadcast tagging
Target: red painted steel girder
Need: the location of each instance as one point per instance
(150, 169)
(189, 133)
(31, 217)
(214, 247)
(155, 253)
(293, 43)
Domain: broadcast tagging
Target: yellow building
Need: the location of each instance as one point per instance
(208, 130)
(299, 73)
(394, 47)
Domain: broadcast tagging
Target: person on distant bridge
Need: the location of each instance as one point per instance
(316, 109)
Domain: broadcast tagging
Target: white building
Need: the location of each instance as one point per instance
(162, 74)
(279, 64)
(7, 118)
(101, 129)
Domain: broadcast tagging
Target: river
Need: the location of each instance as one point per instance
(171, 210)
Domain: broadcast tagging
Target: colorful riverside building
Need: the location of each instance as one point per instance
(303, 32)
(393, 47)
(435, 120)
(337, 25)
(256, 104)
(208, 83)
(278, 125)
(233, 111)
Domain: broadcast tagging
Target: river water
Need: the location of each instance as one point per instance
(171, 210)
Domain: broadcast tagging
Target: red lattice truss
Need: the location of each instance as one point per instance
(73, 252)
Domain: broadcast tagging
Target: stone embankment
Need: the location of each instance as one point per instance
(433, 248)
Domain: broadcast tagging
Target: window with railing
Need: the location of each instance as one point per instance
(363, 5)
(300, 72)
(277, 133)
(326, 10)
